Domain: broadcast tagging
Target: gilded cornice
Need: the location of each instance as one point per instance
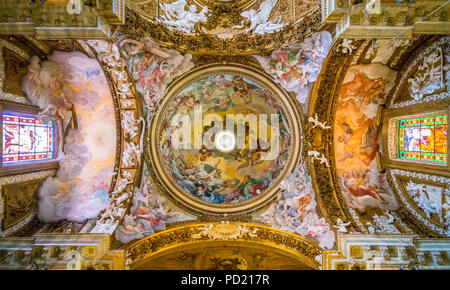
(140, 251)
(53, 20)
(202, 43)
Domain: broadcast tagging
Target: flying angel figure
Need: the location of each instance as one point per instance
(341, 226)
(178, 18)
(259, 20)
(316, 122)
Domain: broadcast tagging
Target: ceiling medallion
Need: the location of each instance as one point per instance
(223, 139)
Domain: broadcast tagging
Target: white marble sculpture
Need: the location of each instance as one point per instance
(429, 198)
(319, 156)
(259, 19)
(176, 16)
(430, 76)
(317, 123)
(383, 225)
(341, 226)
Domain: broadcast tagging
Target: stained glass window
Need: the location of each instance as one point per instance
(424, 139)
(26, 139)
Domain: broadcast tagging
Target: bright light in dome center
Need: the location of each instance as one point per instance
(225, 141)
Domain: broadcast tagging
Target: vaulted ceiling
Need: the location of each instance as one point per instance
(338, 78)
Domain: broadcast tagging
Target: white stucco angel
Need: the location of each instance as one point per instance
(177, 17)
(259, 19)
(341, 226)
(317, 123)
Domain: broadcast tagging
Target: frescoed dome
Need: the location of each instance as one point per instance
(225, 139)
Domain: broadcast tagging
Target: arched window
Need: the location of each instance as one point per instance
(420, 138)
(28, 143)
(424, 138)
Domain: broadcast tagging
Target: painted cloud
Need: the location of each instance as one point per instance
(79, 191)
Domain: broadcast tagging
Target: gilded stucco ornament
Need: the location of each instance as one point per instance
(426, 197)
(426, 77)
(216, 35)
(243, 233)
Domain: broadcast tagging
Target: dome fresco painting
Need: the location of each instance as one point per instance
(243, 173)
(225, 134)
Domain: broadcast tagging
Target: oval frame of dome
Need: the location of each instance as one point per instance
(158, 135)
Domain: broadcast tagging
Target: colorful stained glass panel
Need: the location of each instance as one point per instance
(424, 139)
(26, 139)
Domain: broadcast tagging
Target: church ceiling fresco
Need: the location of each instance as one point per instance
(297, 66)
(214, 175)
(185, 144)
(137, 162)
(149, 213)
(64, 81)
(356, 137)
(151, 66)
(295, 210)
(367, 195)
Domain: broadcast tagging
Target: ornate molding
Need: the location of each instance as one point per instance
(374, 19)
(240, 44)
(383, 252)
(403, 86)
(144, 249)
(426, 227)
(13, 179)
(191, 203)
(21, 53)
(60, 251)
(323, 102)
(130, 136)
